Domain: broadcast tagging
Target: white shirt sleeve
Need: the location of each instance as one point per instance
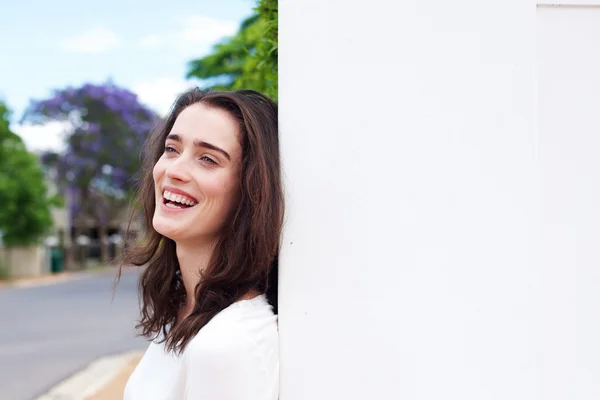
(227, 367)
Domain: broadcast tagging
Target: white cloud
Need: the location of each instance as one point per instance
(160, 94)
(49, 136)
(202, 30)
(193, 33)
(94, 41)
(152, 41)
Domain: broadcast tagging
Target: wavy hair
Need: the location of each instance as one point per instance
(245, 255)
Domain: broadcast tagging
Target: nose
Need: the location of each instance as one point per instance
(178, 170)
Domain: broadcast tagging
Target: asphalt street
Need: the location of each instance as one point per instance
(48, 333)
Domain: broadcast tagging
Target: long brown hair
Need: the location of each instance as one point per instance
(245, 255)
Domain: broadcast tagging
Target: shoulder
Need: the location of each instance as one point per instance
(248, 325)
(236, 351)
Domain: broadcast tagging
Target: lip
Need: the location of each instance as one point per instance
(163, 206)
(178, 191)
(165, 209)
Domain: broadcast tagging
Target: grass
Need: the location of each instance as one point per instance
(4, 276)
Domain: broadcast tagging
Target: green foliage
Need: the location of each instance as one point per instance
(4, 275)
(266, 56)
(25, 206)
(226, 64)
(248, 60)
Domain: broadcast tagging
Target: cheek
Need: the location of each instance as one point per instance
(158, 171)
(222, 188)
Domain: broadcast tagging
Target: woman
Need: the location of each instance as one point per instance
(213, 205)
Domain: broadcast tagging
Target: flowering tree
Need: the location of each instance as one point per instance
(108, 128)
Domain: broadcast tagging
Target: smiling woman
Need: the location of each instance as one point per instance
(213, 204)
(200, 165)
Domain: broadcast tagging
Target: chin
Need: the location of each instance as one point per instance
(166, 228)
(192, 227)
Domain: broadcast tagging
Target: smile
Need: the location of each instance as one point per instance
(173, 200)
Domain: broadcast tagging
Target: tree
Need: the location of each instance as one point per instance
(248, 60)
(266, 58)
(109, 126)
(25, 205)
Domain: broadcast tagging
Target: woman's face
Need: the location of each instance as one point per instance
(196, 178)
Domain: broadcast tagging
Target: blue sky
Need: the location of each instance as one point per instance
(141, 45)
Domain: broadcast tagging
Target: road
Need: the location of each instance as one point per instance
(48, 333)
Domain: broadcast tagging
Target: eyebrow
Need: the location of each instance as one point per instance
(200, 143)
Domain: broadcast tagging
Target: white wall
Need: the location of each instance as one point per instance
(569, 147)
(24, 262)
(441, 231)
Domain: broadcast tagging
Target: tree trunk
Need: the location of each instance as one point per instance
(103, 243)
(79, 250)
(65, 250)
(73, 260)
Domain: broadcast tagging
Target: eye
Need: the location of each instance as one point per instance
(207, 159)
(169, 149)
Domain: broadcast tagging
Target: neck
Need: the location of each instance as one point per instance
(193, 259)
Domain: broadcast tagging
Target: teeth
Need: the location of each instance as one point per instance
(178, 198)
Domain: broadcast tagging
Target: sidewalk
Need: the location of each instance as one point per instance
(104, 379)
(114, 389)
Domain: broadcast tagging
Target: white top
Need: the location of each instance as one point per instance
(233, 357)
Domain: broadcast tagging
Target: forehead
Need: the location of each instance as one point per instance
(208, 124)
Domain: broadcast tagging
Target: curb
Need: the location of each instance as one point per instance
(90, 380)
(44, 280)
(51, 279)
